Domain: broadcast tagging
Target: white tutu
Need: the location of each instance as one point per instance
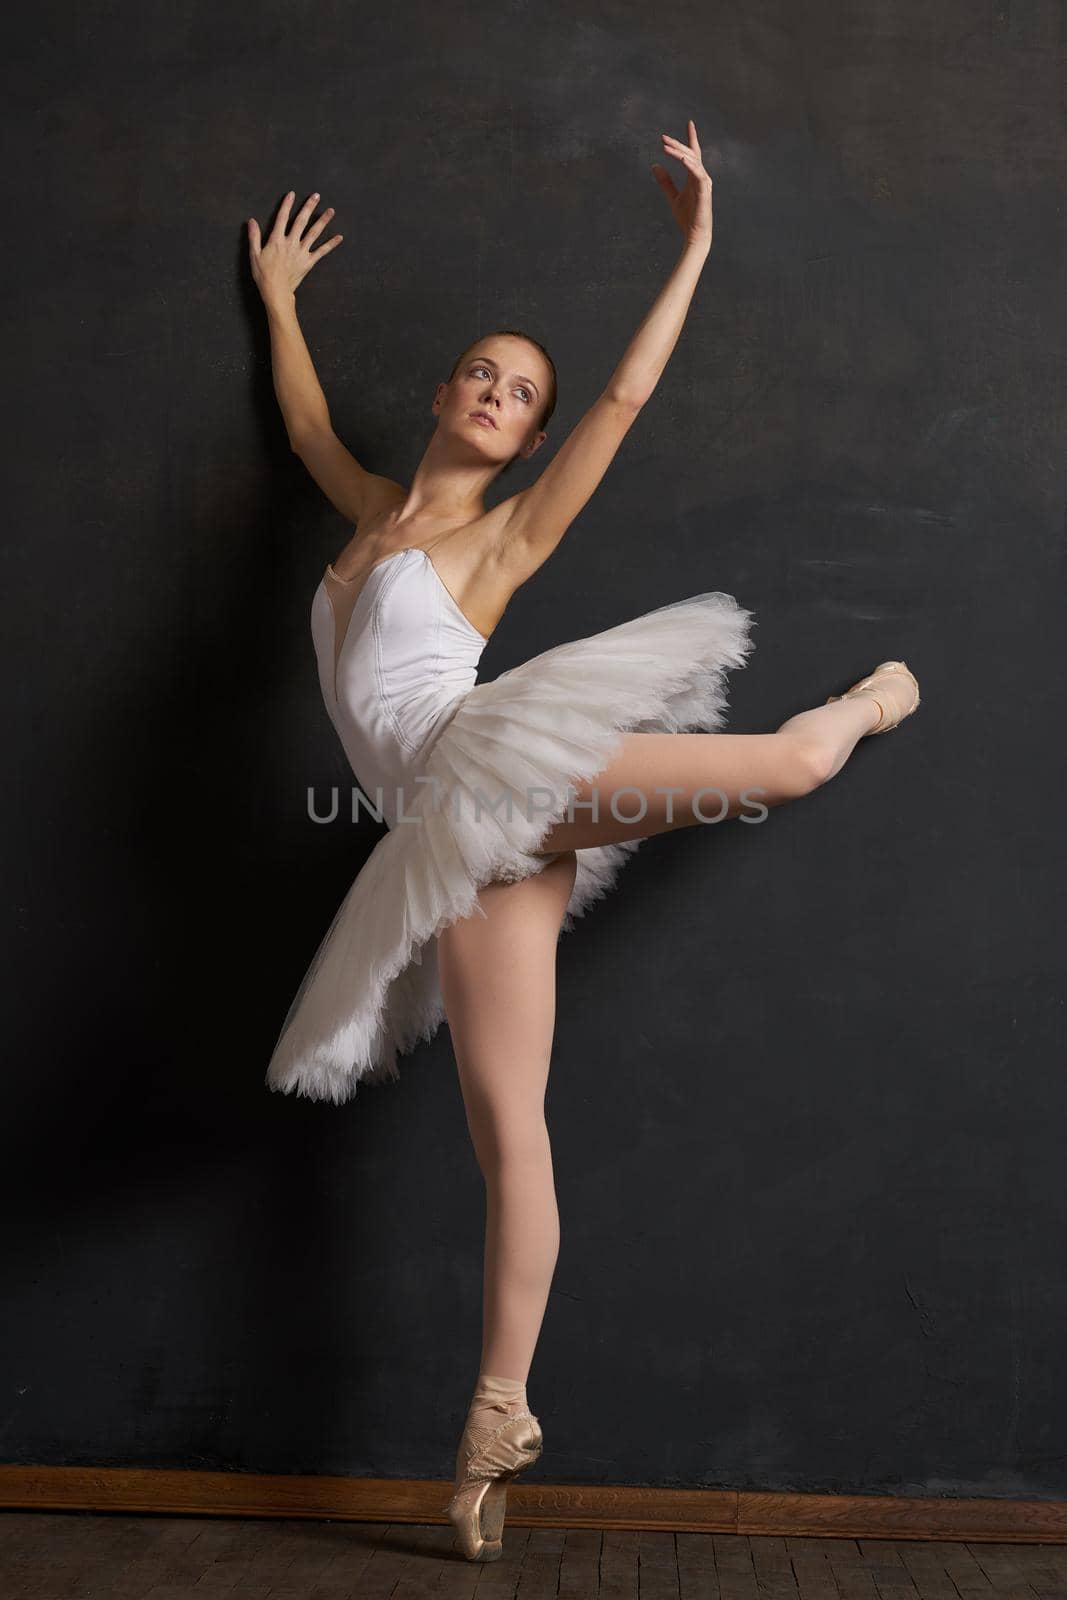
(372, 988)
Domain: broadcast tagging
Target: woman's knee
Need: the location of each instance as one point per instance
(806, 764)
(509, 1139)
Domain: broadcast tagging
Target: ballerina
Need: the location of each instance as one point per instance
(510, 805)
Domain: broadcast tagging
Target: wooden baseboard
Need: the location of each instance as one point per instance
(561, 1505)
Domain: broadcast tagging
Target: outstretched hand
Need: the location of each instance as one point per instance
(286, 258)
(692, 205)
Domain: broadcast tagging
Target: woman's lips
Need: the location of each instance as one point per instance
(485, 421)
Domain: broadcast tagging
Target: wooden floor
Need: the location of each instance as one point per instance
(56, 1555)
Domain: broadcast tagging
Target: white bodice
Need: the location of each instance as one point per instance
(393, 666)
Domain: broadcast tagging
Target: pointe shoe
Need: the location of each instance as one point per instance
(893, 711)
(489, 1458)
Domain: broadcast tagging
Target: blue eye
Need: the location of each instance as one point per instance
(526, 392)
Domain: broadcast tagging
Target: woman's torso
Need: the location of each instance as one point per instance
(396, 655)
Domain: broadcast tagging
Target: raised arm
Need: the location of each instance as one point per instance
(540, 515)
(278, 267)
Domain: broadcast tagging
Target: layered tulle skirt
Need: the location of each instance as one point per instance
(496, 779)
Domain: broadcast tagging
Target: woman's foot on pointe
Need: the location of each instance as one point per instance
(501, 1437)
(894, 689)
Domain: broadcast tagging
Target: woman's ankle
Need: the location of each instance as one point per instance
(491, 1390)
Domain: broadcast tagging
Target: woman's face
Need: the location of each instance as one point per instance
(504, 380)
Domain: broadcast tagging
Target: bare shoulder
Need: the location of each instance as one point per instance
(381, 497)
(380, 494)
(477, 561)
(346, 483)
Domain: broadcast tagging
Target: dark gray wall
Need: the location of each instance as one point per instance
(808, 1094)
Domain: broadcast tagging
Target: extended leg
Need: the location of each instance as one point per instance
(675, 780)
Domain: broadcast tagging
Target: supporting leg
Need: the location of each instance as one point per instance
(498, 982)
